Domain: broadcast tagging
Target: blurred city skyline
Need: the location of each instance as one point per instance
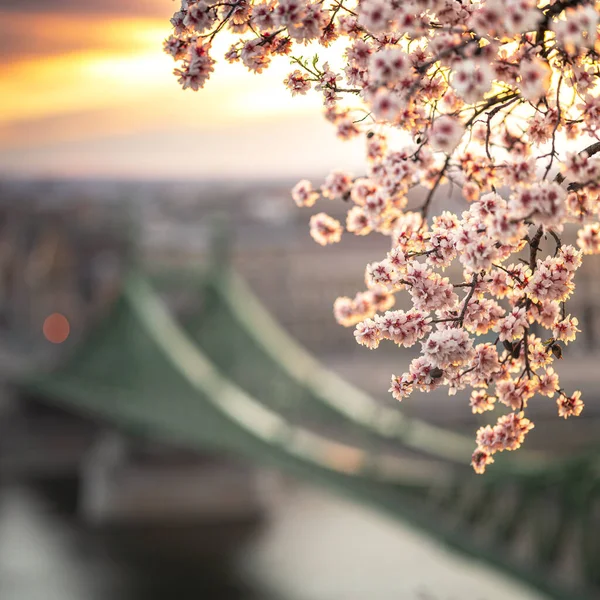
(88, 92)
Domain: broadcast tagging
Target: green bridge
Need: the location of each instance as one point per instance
(225, 377)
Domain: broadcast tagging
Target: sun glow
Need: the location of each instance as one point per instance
(95, 93)
(130, 66)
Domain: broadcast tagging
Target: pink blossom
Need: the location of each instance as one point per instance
(375, 15)
(325, 229)
(368, 334)
(534, 79)
(200, 17)
(426, 376)
(388, 66)
(471, 79)
(515, 394)
(403, 328)
(446, 133)
(480, 460)
(304, 194)
(428, 290)
(263, 15)
(510, 431)
(401, 386)
(588, 238)
(566, 330)
(448, 347)
(297, 82)
(386, 104)
(578, 29)
(357, 221)
(569, 406)
(512, 326)
(544, 203)
(337, 184)
(545, 313)
(255, 55)
(548, 383)
(485, 363)
(481, 401)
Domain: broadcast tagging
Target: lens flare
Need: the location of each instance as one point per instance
(56, 328)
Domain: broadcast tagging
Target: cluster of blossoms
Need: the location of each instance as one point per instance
(492, 97)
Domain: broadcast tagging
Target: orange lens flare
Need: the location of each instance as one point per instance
(56, 328)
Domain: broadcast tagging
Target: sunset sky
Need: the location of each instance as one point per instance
(85, 90)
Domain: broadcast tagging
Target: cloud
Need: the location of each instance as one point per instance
(136, 8)
(51, 34)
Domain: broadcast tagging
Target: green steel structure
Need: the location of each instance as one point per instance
(226, 378)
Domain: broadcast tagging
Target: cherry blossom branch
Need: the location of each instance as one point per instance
(557, 240)
(422, 71)
(425, 207)
(556, 125)
(461, 317)
(534, 247)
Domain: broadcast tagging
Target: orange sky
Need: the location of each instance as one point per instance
(87, 91)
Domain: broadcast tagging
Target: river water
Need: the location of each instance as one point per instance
(312, 547)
